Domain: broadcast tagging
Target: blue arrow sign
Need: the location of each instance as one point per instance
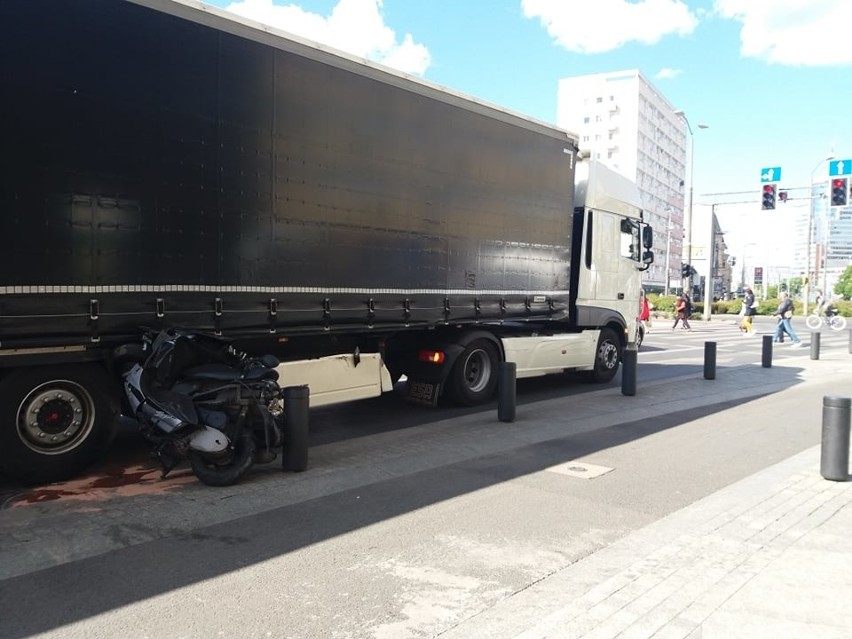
(839, 167)
(772, 174)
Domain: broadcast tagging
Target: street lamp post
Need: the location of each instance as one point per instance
(668, 252)
(687, 225)
(711, 262)
(806, 289)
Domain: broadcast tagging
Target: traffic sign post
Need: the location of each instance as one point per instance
(772, 174)
(839, 167)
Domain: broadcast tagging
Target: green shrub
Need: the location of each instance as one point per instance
(844, 307)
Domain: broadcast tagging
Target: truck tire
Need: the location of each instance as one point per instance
(55, 421)
(607, 357)
(473, 378)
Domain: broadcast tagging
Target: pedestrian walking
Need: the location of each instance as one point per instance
(784, 313)
(644, 316)
(680, 314)
(749, 310)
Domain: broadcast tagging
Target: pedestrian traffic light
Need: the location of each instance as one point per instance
(839, 192)
(768, 203)
(685, 270)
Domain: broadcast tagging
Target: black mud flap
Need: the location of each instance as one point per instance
(423, 393)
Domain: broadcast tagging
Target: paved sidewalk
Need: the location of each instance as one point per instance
(765, 557)
(769, 556)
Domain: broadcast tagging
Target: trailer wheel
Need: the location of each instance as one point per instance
(474, 376)
(607, 356)
(55, 421)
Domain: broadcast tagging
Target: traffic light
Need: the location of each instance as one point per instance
(685, 270)
(839, 191)
(768, 203)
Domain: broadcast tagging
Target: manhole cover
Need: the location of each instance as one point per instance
(580, 469)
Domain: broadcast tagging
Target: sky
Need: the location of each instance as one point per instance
(771, 79)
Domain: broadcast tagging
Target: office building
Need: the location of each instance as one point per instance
(627, 124)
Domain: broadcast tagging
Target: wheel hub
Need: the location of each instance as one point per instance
(55, 417)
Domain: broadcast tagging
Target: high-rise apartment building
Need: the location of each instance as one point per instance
(831, 239)
(626, 123)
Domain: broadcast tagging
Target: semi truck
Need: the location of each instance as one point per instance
(168, 164)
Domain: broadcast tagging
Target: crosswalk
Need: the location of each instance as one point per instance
(662, 344)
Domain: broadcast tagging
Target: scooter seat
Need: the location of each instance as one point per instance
(261, 372)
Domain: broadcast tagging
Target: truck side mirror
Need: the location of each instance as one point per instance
(647, 237)
(647, 260)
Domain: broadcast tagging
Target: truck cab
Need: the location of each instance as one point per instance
(613, 244)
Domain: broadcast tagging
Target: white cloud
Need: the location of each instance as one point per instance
(354, 26)
(604, 25)
(792, 32)
(667, 73)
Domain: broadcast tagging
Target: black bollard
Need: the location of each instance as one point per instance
(815, 345)
(628, 373)
(834, 452)
(766, 360)
(294, 455)
(709, 360)
(507, 396)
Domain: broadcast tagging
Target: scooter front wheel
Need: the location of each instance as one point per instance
(228, 469)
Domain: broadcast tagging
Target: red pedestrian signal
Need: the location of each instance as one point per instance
(768, 203)
(839, 191)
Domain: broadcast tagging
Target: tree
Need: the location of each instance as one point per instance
(844, 284)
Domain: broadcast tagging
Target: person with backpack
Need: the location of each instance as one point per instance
(680, 313)
(690, 309)
(784, 313)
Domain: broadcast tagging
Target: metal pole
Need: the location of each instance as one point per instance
(711, 257)
(709, 360)
(628, 373)
(507, 394)
(668, 252)
(834, 451)
(766, 356)
(806, 288)
(294, 456)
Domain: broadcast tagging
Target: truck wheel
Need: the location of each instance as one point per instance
(55, 421)
(607, 356)
(474, 376)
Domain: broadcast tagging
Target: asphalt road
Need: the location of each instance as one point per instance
(399, 531)
(664, 355)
